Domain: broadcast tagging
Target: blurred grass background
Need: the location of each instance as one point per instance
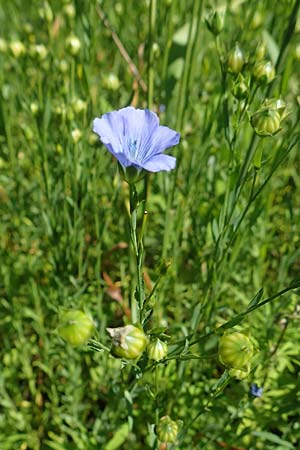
(64, 231)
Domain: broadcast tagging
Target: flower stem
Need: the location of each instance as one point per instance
(138, 249)
(152, 19)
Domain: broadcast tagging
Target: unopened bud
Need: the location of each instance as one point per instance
(79, 106)
(112, 82)
(40, 51)
(157, 350)
(76, 135)
(241, 87)
(34, 107)
(17, 48)
(215, 22)
(73, 44)
(264, 72)
(69, 10)
(260, 51)
(236, 60)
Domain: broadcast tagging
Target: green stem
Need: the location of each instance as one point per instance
(287, 36)
(152, 19)
(138, 249)
(221, 385)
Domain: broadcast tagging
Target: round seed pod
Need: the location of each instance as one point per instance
(264, 72)
(266, 122)
(128, 342)
(167, 430)
(235, 350)
(75, 327)
(157, 350)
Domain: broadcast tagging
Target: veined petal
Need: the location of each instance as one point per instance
(140, 125)
(163, 138)
(159, 162)
(110, 128)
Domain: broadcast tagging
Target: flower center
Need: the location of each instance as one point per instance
(132, 146)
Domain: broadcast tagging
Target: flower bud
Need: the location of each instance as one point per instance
(79, 105)
(240, 88)
(63, 66)
(128, 342)
(260, 51)
(75, 327)
(39, 51)
(266, 122)
(167, 430)
(264, 72)
(45, 12)
(17, 48)
(112, 82)
(76, 135)
(69, 10)
(157, 350)
(215, 22)
(235, 350)
(236, 60)
(34, 107)
(155, 50)
(73, 44)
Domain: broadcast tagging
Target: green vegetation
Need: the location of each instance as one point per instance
(221, 239)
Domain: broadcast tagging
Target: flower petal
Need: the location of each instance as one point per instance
(140, 126)
(110, 129)
(164, 138)
(159, 162)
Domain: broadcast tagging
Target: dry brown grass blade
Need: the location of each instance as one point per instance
(122, 49)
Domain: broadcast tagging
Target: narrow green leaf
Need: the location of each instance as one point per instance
(119, 438)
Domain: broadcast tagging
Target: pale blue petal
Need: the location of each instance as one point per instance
(163, 138)
(110, 128)
(159, 162)
(140, 125)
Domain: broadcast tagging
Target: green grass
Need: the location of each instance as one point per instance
(224, 227)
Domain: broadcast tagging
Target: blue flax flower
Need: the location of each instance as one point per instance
(136, 139)
(255, 390)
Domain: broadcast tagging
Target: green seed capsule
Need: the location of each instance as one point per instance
(128, 342)
(266, 122)
(264, 72)
(157, 350)
(75, 327)
(236, 60)
(167, 430)
(235, 350)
